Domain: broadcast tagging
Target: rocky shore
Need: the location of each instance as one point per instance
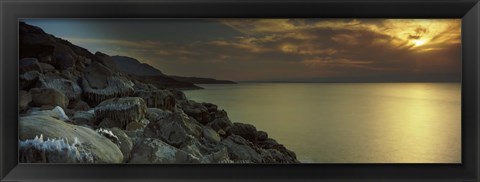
(79, 107)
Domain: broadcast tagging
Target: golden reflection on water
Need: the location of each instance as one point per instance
(350, 123)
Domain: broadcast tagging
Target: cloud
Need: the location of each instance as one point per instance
(305, 48)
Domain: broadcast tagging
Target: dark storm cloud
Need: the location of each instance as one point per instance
(282, 49)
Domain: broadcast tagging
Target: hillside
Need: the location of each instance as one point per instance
(78, 107)
(137, 69)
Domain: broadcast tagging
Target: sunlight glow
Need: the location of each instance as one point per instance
(419, 42)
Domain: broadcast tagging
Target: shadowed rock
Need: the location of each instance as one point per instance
(24, 100)
(222, 124)
(29, 79)
(78, 105)
(246, 131)
(48, 96)
(196, 110)
(47, 68)
(29, 64)
(83, 118)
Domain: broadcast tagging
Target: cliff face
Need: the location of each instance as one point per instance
(76, 106)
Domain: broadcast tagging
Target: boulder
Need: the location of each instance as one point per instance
(47, 68)
(162, 99)
(220, 124)
(78, 105)
(134, 126)
(29, 64)
(47, 59)
(135, 135)
(191, 126)
(218, 157)
(222, 133)
(196, 110)
(155, 114)
(241, 150)
(106, 60)
(57, 113)
(108, 123)
(83, 118)
(261, 136)
(101, 148)
(155, 151)
(38, 150)
(108, 134)
(113, 88)
(24, 100)
(211, 135)
(97, 74)
(169, 131)
(179, 95)
(121, 110)
(277, 152)
(246, 131)
(125, 143)
(67, 87)
(210, 107)
(64, 56)
(29, 79)
(48, 96)
(206, 152)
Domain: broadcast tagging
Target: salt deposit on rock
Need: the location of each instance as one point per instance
(108, 134)
(60, 80)
(116, 87)
(52, 150)
(101, 148)
(122, 110)
(162, 99)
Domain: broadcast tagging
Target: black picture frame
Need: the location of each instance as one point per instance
(12, 10)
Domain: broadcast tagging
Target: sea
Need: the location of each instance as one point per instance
(349, 122)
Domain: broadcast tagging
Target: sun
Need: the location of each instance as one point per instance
(419, 42)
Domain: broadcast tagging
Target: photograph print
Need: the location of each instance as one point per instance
(239, 91)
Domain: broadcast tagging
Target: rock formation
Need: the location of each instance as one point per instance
(48, 96)
(101, 148)
(79, 107)
(121, 110)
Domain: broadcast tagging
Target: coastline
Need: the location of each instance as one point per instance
(79, 107)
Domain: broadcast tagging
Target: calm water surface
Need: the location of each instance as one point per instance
(350, 122)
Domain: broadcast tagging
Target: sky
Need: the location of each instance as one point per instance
(297, 50)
